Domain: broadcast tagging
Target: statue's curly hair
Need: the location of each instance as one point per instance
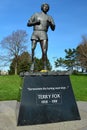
(43, 5)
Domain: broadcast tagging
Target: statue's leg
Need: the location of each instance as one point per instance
(33, 48)
(44, 47)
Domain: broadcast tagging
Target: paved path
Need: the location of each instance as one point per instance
(8, 119)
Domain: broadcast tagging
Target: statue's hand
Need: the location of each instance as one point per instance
(51, 25)
(32, 23)
(49, 22)
(28, 24)
(38, 22)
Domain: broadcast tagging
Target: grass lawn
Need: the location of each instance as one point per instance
(79, 84)
(10, 87)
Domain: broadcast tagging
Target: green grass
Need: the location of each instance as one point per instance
(10, 87)
(79, 84)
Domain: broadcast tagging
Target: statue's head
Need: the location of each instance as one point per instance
(45, 7)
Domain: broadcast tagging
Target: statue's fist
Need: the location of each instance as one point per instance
(38, 22)
(27, 24)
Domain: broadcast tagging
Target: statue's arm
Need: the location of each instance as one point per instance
(33, 21)
(51, 23)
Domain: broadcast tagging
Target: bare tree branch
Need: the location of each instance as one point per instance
(14, 45)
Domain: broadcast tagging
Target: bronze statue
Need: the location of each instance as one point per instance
(41, 22)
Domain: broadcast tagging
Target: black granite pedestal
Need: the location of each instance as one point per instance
(47, 99)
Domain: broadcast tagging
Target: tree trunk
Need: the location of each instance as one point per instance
(16, 68)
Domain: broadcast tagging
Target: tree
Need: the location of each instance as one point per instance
(60, 62)
(13, 46)
(82, 52)
(69, 61)
(24, 63)
(70, 58)
(39, 64)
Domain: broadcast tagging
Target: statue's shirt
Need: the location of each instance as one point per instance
(45, 21)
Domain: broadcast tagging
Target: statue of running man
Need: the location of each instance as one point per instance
(41, 22)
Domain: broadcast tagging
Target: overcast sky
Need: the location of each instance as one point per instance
(70, 17)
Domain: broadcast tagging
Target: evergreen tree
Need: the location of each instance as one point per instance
(24, 62)
(39, 65)
(69, 61)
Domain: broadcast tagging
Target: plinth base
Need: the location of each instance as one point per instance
(47, 99)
